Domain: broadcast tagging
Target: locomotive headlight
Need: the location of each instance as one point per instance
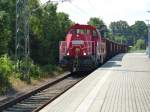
(84, 54)
(68, 54)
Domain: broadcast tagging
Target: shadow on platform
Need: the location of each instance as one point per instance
(114, 62)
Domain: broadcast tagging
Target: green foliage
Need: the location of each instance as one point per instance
(120, 31)
(35, 71)
(4, 83)
(23, 66)
(140, 44)
(47, 28)
(120, 28)
(64, 24)
(6, 66)
(5, 32)
(139, 30)
(120, 39)
(99, 24)
(48, 69)
(7, 23)
(129, 34)
(6, 69)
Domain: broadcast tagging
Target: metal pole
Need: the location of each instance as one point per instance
(149, 40)
(148, 37)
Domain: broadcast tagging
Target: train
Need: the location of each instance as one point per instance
(85, 49)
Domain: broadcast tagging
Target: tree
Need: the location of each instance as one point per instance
(120, 39)
(64, 24)
(36, 30)
(46, 33)
(140, 44)
(35, 19)
(7, 23)
(120, 28)
(99, 24)
(5, 32)
(139, 30)
(121, 32)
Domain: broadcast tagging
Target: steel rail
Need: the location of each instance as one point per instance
(31, 93)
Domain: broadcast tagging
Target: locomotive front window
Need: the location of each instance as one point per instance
(81, 31)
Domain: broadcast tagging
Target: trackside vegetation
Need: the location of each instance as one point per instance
(47, 28)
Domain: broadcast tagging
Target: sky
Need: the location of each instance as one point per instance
(80, 11)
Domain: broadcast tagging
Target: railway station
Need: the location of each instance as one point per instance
(120, 85)
(74, 56)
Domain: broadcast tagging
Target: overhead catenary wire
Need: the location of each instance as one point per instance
(93, 7)
(91, 4)
(81, 10)
(49, 1)
(74, 11)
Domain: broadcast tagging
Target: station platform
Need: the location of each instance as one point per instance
(120, 85)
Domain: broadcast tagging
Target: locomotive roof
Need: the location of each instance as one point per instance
(79, 26)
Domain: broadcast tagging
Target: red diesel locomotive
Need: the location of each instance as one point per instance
(84, 48)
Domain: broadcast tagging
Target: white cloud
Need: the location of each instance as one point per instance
(109, 10)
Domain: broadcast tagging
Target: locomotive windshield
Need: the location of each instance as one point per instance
(79, 31)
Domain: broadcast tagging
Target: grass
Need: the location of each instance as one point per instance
(19, 85)
(137, 51)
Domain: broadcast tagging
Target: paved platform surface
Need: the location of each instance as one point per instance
(121, 85)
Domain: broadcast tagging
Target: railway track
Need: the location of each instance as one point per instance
(38, 98)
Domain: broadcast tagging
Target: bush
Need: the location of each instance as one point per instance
(4, 83)
(140, 44)
(28, 70)
(6, 66)
(6, 69)
(48, 69)
(35, 71)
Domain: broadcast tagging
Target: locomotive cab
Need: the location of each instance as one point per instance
(78, 44)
